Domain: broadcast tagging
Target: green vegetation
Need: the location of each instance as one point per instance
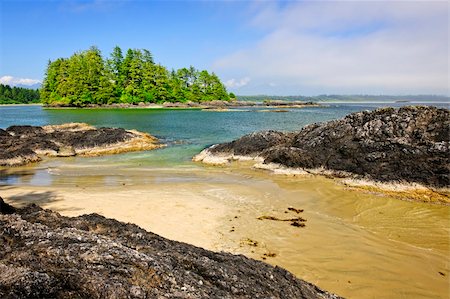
(86, 78)
(18, 95)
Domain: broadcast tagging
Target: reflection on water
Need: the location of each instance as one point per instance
(355, 244)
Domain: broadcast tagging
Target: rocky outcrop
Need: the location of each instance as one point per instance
(407, 144)
(46, 255)
(24, 144)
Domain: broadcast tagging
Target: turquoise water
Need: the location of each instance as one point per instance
(186, 132)
(359, 245)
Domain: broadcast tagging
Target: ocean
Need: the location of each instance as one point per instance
(356, 244)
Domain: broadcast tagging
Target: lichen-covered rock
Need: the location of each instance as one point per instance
(407, 144)
(24, 144)
(46, 255)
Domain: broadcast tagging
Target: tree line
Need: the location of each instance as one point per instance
(87, 78)
(18, 95)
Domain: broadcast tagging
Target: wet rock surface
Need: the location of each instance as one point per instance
(20, 145)
(46, 255)
(407, 144)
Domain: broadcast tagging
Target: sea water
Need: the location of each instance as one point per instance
(356, 244)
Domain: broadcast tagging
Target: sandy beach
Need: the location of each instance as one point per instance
(354, 243)
(176, 214)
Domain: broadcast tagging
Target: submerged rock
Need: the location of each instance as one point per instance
(20, 145)
(388, 145)
(46, 255)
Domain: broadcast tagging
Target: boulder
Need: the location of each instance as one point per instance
(20, 145)
(409, 144)
(46, 255)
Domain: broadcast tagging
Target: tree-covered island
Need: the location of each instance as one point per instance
(86, 78)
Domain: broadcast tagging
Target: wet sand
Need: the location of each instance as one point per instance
(356, 244)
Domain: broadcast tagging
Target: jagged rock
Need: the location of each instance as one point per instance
(3, 133)
(24, 144)
(406, 144)
(252, 144)
(6, 208)
(25, 131)
(46, 255)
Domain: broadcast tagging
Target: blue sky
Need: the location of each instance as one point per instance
(264, 47)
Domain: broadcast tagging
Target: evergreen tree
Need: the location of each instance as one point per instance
(18, 95)
(86, 78)
(116, 72)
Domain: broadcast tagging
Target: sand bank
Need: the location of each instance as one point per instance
(355, 244)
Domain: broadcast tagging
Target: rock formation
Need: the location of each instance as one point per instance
(20, 145)
(388, 145)
(46, 255)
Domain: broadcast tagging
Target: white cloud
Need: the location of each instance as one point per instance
(233, 83)
(348, 47)
(13, 81)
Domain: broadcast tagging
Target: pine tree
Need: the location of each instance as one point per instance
(86, 78)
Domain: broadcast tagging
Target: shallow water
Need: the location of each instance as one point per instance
(356, 244)
(185, 131)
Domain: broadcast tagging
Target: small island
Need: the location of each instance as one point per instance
(20, 145)
(86, 78)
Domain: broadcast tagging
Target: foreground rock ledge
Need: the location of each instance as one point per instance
(20, 145)
(46, 255)
(409, 144)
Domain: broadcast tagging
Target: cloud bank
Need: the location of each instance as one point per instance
(311, 47)
(13, 81)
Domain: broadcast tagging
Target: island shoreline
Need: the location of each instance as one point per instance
(195, 105)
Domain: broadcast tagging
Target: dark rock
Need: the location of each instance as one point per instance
(13, 149)
(253, 143)
(3, 133)
(6, 208)
(24, 131)
(92, 138)
(46, 255)
(406, 144)
(23, 144)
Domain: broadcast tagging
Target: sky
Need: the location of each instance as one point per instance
(255, 47)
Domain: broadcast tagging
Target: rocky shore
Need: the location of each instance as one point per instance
(206, 105)
(20, 145)
(409, 144)
(46, 255)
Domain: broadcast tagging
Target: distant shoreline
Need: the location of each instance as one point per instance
(30, 104)
(238, 104)
(213, 105)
